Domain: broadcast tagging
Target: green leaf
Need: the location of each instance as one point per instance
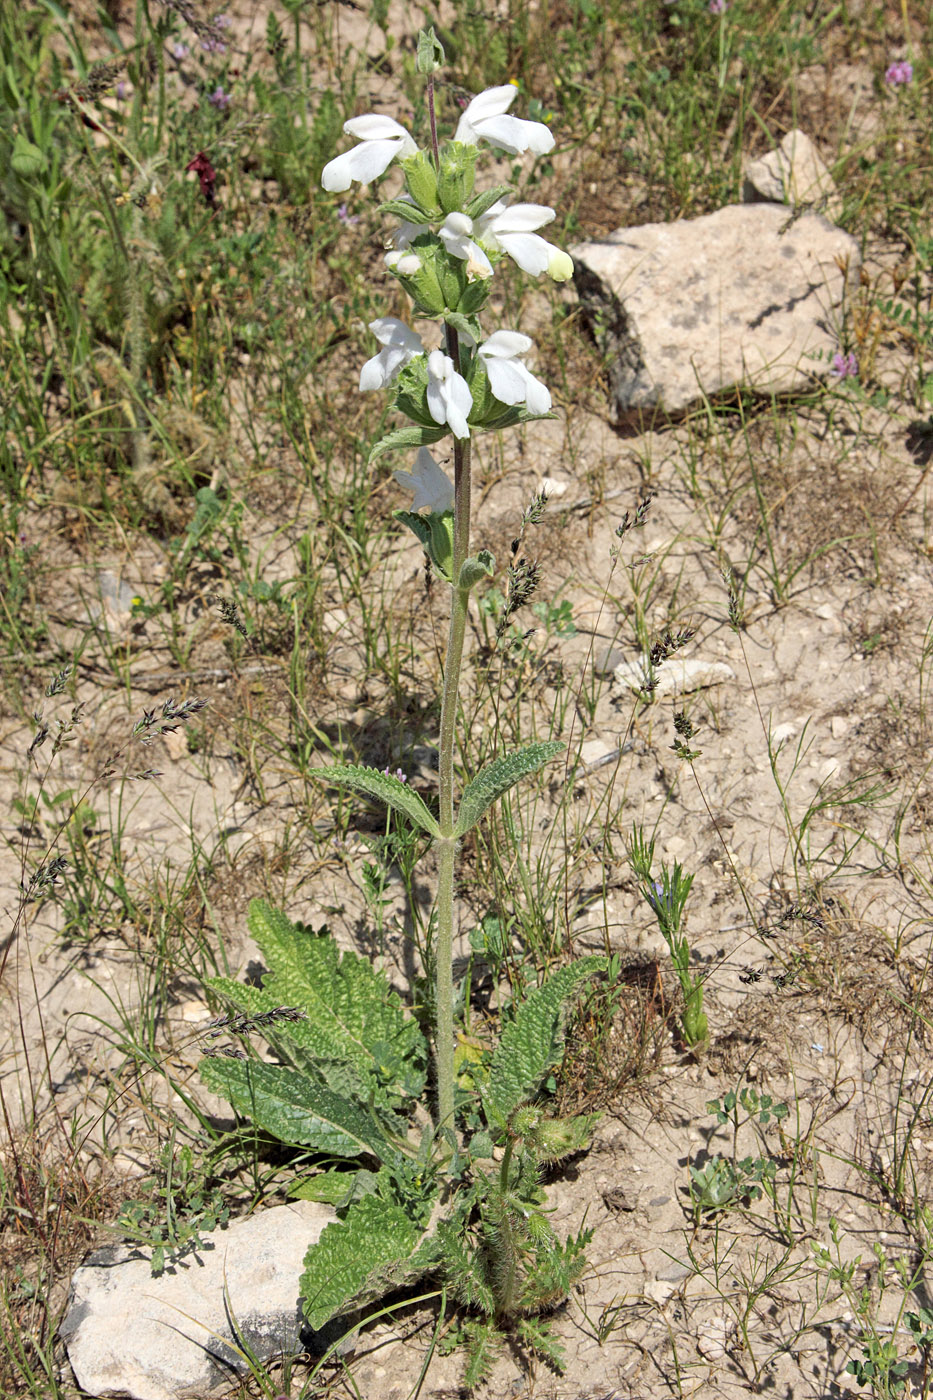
(497, 777)
(475, 569)
(383, 786)
(415, 436)
(335, 1188)
(480, 204)
(403, 209)
(466, 325)
(291, 1107)
(356, 1029)
(26, 158)
(357, 1259)
(531, 1043)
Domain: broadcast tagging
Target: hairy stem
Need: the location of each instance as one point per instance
(447, 845)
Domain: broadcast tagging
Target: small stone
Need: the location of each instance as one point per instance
(607, 659)
(674, 677)
(794, 174)
(596, 753)
(553, 487)
(782, 732)
(828, 769)
(194, 1010)
(839, 726)
(658, 1291)
(711, 1339)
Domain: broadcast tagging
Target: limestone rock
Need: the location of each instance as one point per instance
(748, 296)
(673, 677)
(169, 1338)
(793, 173)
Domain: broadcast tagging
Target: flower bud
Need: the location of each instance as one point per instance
(560, 266)
(431, 57)
(422, 182)
(456, 175)
(416, 267)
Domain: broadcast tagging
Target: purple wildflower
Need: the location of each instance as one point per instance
(220, 99)
(178, 50)
(845, 366)
(899, 73)
(402, 777)
(222, 21)
(210, 45)
(718, 7)
(346, 218)
(121, 91)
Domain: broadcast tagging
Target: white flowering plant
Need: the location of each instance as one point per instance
(458, 1198)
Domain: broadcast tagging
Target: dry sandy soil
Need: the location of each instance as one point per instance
(817, 985)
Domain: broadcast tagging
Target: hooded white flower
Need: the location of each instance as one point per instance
(400, 344)
(449, 397)
(511, 230)
(381, 140)
(485, 120)
(431, 486)
(509, 379)
(456, 235)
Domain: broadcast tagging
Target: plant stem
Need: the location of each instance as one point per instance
(446, 845)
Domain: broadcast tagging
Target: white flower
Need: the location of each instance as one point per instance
(449, 397)
(509, 379)
(431, 486)
(405, 264)
(400, 344)
(485, 120)
(381, 140)
(456, 235)
(510, 230)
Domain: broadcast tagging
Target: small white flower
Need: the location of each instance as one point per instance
(405, 264)
(485, 120)
(400, 344)
(381, 140)
(431, 486)
(509, 379)
(449, 397)
(456, 235)
(511, 230)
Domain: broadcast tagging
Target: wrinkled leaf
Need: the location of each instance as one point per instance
(531, 1043)
(497, 777)
(295, 1110)
(357, 1259)
(384, 787)
(356, 1038)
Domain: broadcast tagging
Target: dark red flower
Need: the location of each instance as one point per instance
(207, 177)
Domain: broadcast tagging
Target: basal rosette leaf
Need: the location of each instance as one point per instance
(372, 782)
(356, 1030)
(358, 1259)
(531, 1043)
(294, 1109)
(500, 775)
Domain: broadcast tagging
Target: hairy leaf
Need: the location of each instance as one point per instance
(334, 1188)
(531, 1043)
(357, 1038)
(497, 777)
(294, 1109)
(383, 786)
(414, 436)
(357, 1259)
